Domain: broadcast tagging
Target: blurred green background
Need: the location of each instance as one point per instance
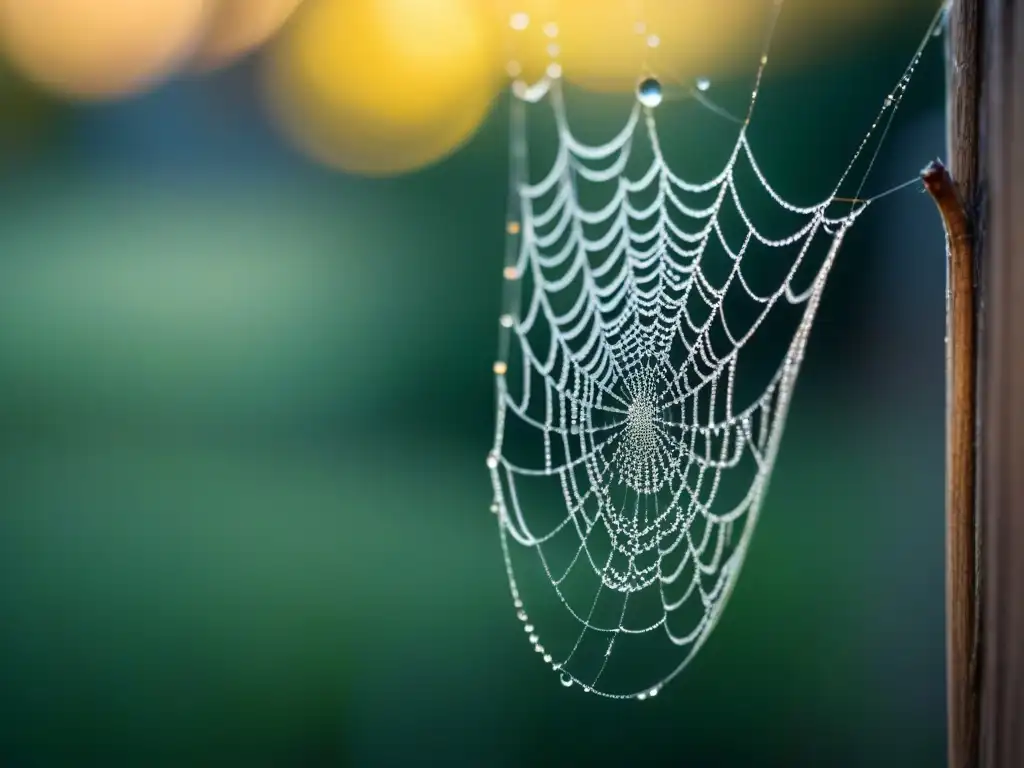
(244, 405)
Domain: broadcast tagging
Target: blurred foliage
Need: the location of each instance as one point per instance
(244, 404)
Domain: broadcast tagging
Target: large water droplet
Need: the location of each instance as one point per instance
(649, 92)
(703, 83)
(566, 680)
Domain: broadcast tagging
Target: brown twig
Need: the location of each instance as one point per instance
(960, 467)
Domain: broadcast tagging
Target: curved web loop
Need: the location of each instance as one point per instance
(630, 457)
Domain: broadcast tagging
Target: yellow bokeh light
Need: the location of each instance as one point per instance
(384, 86)
(238, 26)
(99, 48)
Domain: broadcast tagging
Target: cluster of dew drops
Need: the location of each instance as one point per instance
(649, 89)
(565, 678)
(531, 631)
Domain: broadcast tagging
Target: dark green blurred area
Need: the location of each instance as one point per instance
(244, 407)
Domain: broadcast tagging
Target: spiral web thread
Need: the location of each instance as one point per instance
(617, 386)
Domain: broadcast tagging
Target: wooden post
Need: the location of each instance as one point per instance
(984, 213)
(959, 198)
(1001, 444)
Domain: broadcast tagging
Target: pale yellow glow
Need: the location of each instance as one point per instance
(239, 26)
(601, 44)
(96, 49)
(384, 86)
(609, 44)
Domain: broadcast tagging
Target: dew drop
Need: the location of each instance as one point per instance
(521, 615)
(495, 508)
(653, 41)
(507, 321)
(528, 628)
(703, 83)
(566, 680)
(641, 697)
(547, 658)
(519, 21)
(649, 92)
(492, 460)
(534, 639)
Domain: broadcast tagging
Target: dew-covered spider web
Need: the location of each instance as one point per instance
(636, 432)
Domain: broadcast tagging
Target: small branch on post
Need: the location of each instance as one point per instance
(961, 611)
(943, 190)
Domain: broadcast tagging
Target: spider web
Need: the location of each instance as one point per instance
(632, 449)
